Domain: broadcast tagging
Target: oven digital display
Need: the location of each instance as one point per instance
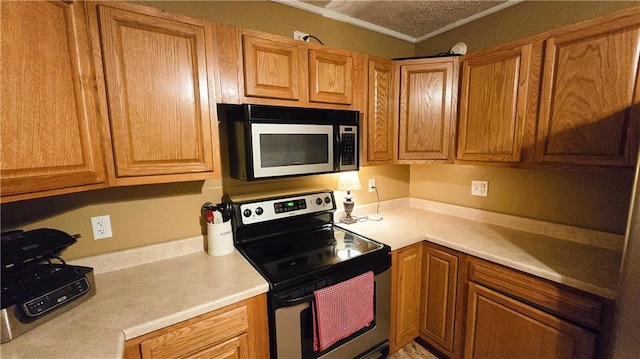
(287, 206)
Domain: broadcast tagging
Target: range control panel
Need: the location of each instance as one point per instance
(272, 209)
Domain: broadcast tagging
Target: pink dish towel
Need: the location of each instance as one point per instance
(341, 310)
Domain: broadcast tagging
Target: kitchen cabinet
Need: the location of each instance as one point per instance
(502, 327)
(498, 96)
(427, 109)
(469, 307)
(589, 100)
(330, 74)
(49, 133)
(235, 331)
(530, 317)
(282, 71)
(158, 106)
(377, 128)
(405, 295)
(439, 307)
(271, 68)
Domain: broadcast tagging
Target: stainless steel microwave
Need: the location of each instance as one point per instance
(275, 141)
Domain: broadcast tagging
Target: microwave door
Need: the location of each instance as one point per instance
(291, 149)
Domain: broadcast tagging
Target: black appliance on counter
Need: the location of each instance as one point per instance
(37, 284)
(291, 240)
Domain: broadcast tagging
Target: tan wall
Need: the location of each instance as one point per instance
(593, 199)
(519, 21)
(282, 20)
(142, 215)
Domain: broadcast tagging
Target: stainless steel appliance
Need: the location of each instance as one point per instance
(275, 141)
(34, 289)
(291, 241)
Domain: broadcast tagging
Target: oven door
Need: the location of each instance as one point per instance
(291, 149)
(294, 331)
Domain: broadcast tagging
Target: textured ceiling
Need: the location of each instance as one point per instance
(409, 20)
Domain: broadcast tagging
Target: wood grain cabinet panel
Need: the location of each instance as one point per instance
(237, 331)
(502, 327)
(330, 75)
(427, 115)
(493, 105)
(158, 92)
(49, 131)
(405, 297)
(270, 68)
(590, 96)
(438, 299)
(378, 126)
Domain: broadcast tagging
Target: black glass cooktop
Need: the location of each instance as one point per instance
(292, 255)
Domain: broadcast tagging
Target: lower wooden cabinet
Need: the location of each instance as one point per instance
(463, 306)
(405, 295)
(236, 331)
(502, 327)
(438, 307)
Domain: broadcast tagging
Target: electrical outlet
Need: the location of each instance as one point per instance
(372, 185)
(299, 35)
(479, 188)
(101, 227)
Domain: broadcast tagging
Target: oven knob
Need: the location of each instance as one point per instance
(318, 201)
(327, 200)
(247, 212)
(259, 211)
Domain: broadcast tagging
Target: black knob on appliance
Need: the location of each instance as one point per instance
(259, 211)
(318, 201)
(247, 212)
(327, 199)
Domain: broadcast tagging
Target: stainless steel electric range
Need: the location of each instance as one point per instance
(291, 240)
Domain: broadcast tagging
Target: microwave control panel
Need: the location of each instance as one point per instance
(348, 148)
(272, 209)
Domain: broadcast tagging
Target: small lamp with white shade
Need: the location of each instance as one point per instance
(348, 181)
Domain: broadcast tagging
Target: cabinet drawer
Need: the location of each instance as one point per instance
(538, 292)
(197, 336)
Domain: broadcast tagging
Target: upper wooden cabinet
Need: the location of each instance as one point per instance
(330, 75)
(287, 72)
(497, 97)
(427, 109)
(159, 99)
(378, 125)
(49, 132)
(270, 68)
(590, 95)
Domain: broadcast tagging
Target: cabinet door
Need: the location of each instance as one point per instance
(270, 69)
(427, 110)
(502, 327)
(405, 295)
(439, 283)
(493, 105)
(157, 93)
(48, 110)
(590, 96)
(379, 123)
(330, 76)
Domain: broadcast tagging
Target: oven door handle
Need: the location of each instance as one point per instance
(296, 301)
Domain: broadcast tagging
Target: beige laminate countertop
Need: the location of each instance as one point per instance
(589, 268)
(180, 281)
(137, 300)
